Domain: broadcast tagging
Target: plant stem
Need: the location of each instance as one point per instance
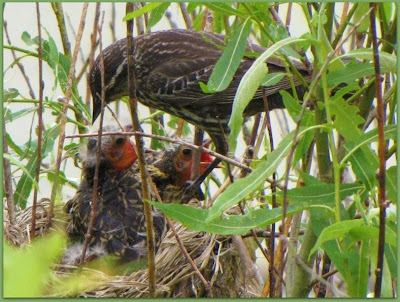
(381, 155)
(40, 125)
(141, 158)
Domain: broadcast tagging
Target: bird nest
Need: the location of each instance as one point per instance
(213, 255)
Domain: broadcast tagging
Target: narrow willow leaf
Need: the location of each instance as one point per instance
(369, 137)
(195, 218)
(351, 73)
(322, 194)
(364, 232)
(228, 63)
(272, 79)
(157, 14)
(25, 183)
(336, 231)
(363, 165)
(386, 60)
(145, 9)
(391, 184)
(15, 115)
(249, 85)
(245, 186)
(224, 9)
(294, 109)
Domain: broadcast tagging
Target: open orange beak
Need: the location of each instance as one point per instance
(205, 161)
(127, 156)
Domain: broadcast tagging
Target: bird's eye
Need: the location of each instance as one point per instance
(120, 141)
(187, 152)
(92, 144)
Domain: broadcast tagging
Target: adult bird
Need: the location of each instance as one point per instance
(119, 226)
(169, 66)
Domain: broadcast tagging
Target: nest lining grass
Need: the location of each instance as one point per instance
(213, 255)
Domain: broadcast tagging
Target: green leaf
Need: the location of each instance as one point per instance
(26, 37)
(227, 65)
(25, 183)
(157, 14)
(351, 73)
(145, 9)
(368, 137)
(26, 270)
(294, 109)
(224, 9)
(15, 115)
(361, 10)
(195, 218)
(347, 118)
(248, 87)
(364, 232)
(391, 184)
(336, 231)
(364, 163)
(386, 60)
(272, 79)
(245, 186)
(321, 194)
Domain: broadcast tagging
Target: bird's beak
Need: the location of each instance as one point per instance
(205, 161)
(96, 108)
(128, 156)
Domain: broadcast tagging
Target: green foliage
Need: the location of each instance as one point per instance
(343, 89)
(27, 270)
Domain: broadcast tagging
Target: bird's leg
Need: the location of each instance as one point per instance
(193, 188)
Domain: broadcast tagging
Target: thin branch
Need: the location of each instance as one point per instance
(141, 158)
(8, 179)
(63, 120)
(94, 202)
(20, 66)
(381, 154)
(59, 12)
(93, 39)
(40, 124)
(186, 16)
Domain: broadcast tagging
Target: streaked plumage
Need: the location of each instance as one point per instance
(169, 65)
(119, 226)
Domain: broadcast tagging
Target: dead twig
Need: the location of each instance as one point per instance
(40, 124)
(381, 154)
(63, 120)
(141, 158)
(93, 205)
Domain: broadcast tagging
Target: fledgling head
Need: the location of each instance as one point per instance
(117, 151)
(177, 161)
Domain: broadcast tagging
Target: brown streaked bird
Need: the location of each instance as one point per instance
(119, 227)
(169, 65)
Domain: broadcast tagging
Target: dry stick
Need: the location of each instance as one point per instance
(93, 205)
(274, 205)
(20, 66)
(58, 11)
(64, 111)
(381, 153)
(93, 39)
(40, 125)
(141, 158)
(112, 23)
(139, 20)
(8, 179)
(186, 16)
(288, 15)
